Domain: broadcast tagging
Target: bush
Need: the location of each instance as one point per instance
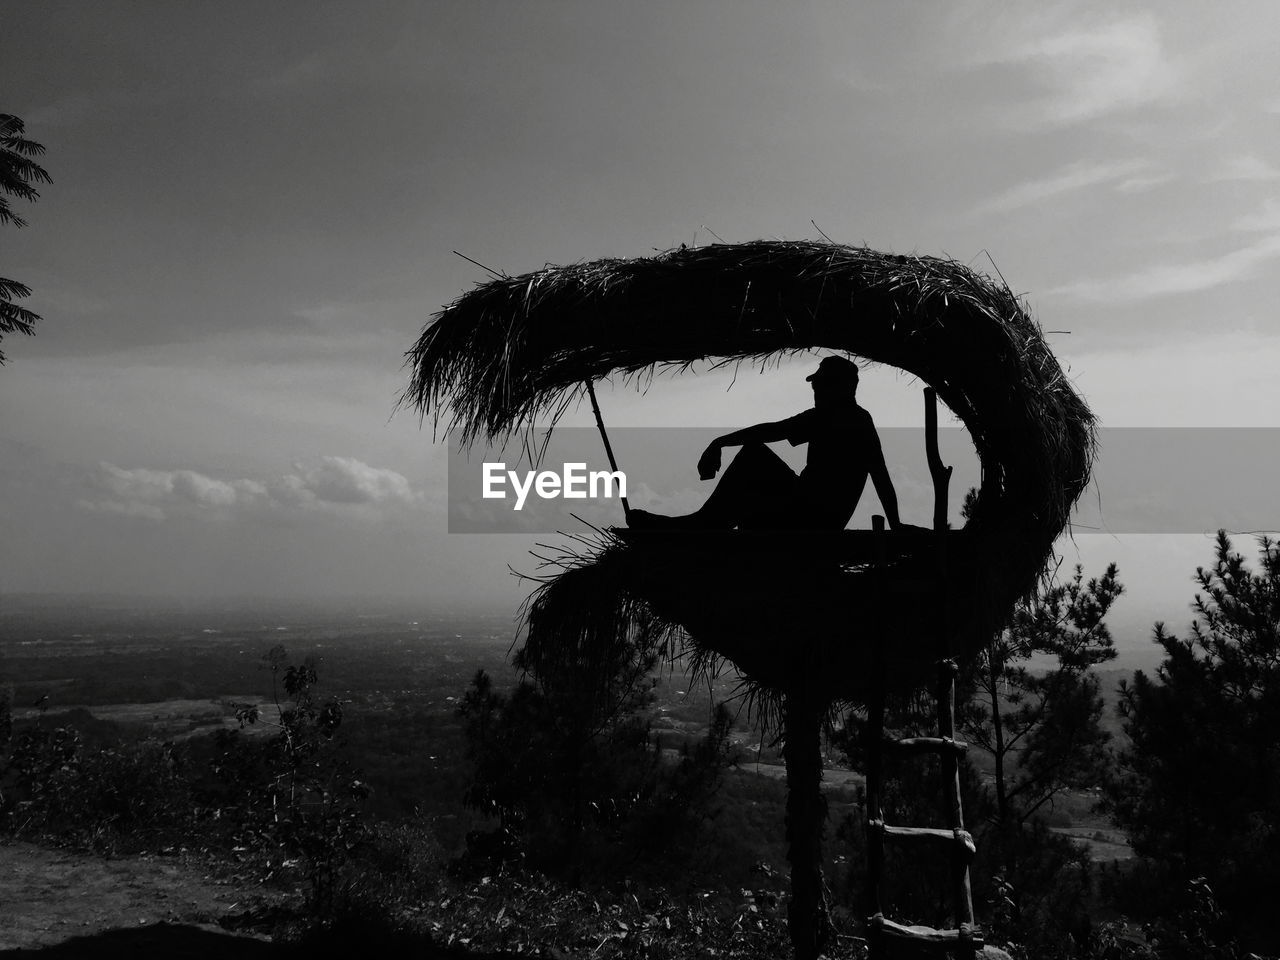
(575, 797)
(105, 798)
(1034, 888)
(288, 791)
(292, 791)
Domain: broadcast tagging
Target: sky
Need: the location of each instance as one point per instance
(255, 209)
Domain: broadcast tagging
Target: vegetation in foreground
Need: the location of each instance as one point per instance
(589, 834)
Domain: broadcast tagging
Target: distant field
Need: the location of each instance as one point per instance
(139, 657)
(179, 673)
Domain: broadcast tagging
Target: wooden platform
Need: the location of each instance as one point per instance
(792, 608)
(845, 547)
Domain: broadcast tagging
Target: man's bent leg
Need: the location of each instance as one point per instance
(753, 485)
(757, 477)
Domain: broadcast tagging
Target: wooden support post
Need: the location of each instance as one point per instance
(874, 747)
(965, 938)
(808, 914)
(875, 813)
(940, 473)
(970, 942)
(961, 892)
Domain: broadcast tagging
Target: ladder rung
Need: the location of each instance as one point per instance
(923, 934)
(908, 585)
(929, 834)
(930, 745)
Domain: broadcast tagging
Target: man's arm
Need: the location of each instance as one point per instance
(760, 433)
(880, 477)
(884, 490)
(709, 462)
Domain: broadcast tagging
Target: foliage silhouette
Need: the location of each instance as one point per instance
(19, 174)
(1042, 728)
(578, 784)
(310, 802)
(1199, 785)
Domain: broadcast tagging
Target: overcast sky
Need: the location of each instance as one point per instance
(254, 210)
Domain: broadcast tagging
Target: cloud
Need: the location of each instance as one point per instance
(1266, 219)
(1076, 176)
(120, 508)
(333, 483)
(207, 492)
(1164, 280)
(140, 484)
(346, 480)
(1087, 70)
(1258, 230)
(1141, 184)
(1248, 168)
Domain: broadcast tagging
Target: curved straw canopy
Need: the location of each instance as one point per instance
(518, 349)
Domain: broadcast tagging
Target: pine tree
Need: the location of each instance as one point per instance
(18, 174)
(1042, 728)
(1199, 787)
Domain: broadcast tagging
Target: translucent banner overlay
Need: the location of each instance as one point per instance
(1146, 480)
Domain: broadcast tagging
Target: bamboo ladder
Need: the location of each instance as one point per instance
(964, 941)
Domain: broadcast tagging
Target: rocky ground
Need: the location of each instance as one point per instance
(50, 896)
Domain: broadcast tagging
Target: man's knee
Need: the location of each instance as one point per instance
(757, 462)
(755, 451)
(751, 458)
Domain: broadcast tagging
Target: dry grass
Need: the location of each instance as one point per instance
(516, 350)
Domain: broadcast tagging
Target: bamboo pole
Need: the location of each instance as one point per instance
(608, 447)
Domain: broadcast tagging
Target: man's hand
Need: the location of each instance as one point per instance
(709, 462)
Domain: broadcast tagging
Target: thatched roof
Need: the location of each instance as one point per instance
(518, 349)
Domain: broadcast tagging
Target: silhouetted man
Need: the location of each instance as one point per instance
(759, 491)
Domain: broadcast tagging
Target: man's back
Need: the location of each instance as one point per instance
(843, 449)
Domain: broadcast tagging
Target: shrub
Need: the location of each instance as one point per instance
(119, 794)
(576, 798)
(292, 791)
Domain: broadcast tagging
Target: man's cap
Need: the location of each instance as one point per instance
(836, 369)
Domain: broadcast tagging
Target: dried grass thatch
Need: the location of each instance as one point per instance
(790, 614)
(518, 349)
